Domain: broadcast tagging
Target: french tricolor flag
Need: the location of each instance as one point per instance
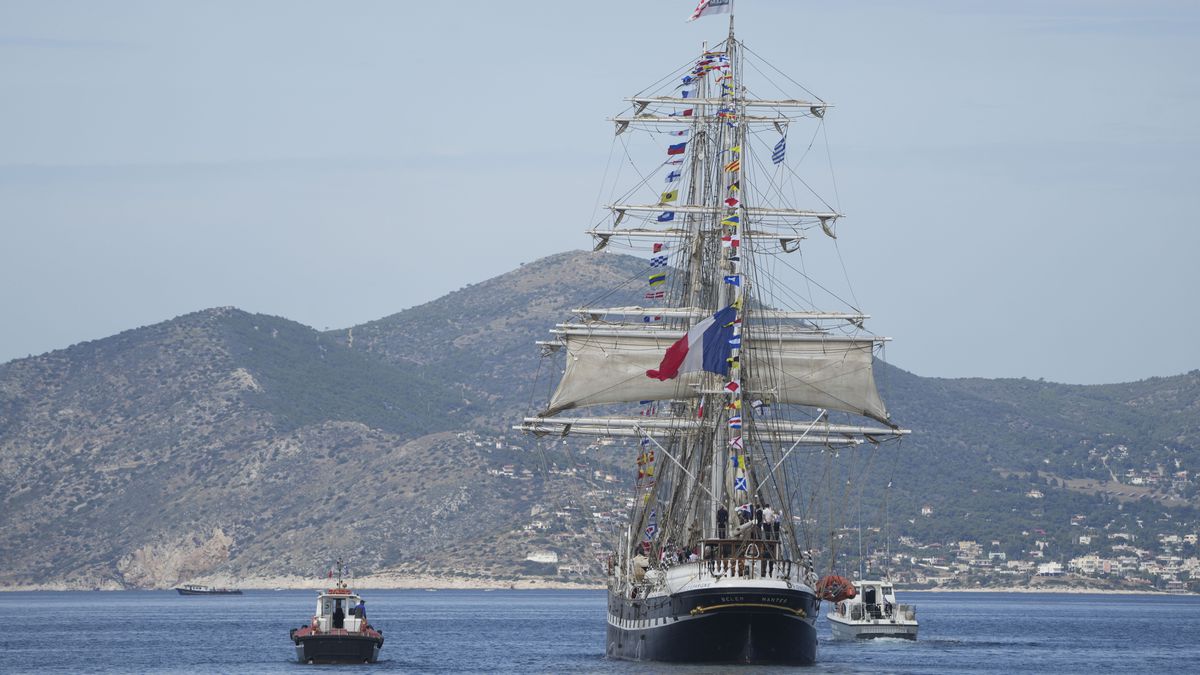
(705, 347)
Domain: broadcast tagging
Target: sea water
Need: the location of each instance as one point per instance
(563, 631)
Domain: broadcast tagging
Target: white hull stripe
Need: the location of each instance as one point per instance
(662, 622)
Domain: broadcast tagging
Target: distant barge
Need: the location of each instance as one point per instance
(193, 589)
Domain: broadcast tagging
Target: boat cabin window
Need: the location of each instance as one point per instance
(329, 603)
(887, 590)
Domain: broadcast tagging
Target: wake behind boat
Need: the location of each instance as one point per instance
(728, 384)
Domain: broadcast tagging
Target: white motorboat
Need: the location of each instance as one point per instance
(872, 613)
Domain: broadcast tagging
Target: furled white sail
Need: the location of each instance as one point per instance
(833, 374)
(609, 366)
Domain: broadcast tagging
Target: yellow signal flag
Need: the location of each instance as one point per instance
(669, 196)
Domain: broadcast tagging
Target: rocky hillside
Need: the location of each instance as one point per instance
(164, 443)
(1084, 447)
(223, 442)
(226, 443)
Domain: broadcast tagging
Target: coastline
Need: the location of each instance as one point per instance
(387, 581)
(1036, 589)
(294, 583)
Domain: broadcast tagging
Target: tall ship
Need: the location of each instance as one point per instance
(719, 371)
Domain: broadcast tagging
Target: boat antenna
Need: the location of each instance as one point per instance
(887, 532)
(862, 572)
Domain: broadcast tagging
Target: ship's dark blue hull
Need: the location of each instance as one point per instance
(740, 625)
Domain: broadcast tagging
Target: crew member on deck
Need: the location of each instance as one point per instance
(722, 520)
(339, 615)
(360, 610)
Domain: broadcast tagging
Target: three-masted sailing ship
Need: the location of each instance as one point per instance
(715, 381)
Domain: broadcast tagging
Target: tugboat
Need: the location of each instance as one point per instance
(194, 589)
(338, 632)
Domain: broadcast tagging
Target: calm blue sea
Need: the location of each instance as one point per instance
(563, 631)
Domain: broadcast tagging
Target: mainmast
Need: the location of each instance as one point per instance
(734, 445)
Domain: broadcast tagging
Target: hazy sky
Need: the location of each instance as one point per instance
(1020, 179)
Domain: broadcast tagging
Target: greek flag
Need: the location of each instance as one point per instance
(780, 147)
(651, 528)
